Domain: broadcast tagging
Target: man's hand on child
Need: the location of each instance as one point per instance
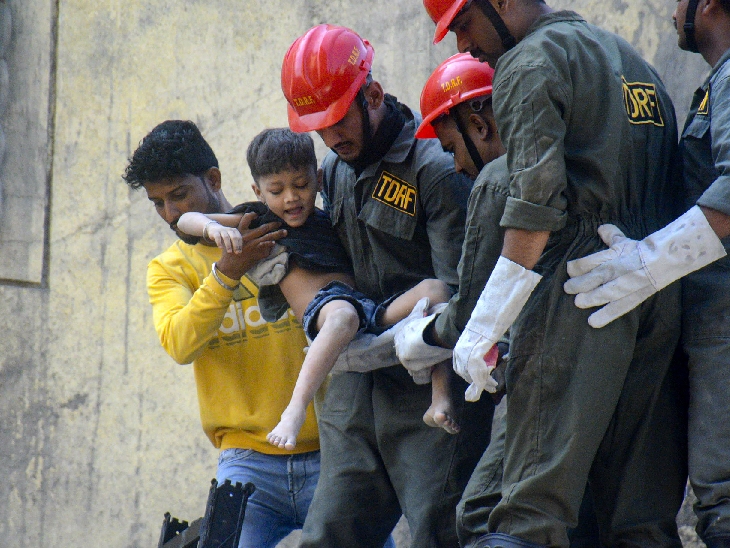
(256, 244)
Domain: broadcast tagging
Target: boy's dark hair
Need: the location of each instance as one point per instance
(278, 149)
(173, 148)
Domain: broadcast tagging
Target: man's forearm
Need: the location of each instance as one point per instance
(524, 247)
(719, 222)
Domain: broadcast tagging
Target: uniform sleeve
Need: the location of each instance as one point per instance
(717, 196)
(530, 105)
(186, 320)
(481, 249)
(444, 199)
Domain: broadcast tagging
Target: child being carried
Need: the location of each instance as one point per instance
(315, 274)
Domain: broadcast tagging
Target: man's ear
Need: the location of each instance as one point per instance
(374, 95)
(707, 7)
(320, 179)
(481, 125)
(213, 178)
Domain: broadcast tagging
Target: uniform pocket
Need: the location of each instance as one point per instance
(698, 128)
(388, 219)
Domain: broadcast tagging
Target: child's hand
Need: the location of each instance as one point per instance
(225, 237)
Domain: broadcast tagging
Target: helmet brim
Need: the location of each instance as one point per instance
(442, 27)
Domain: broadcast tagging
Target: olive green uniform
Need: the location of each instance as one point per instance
(482, 246)
(591, 139)
(401, 221)
(705, 149)
(481, 249)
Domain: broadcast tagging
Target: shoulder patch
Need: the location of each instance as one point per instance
(396, 193)
(641, 103)
(704, 108)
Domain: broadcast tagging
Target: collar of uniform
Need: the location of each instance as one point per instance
(553, 17)
(406, 140)
(542, 21)
(725, 56)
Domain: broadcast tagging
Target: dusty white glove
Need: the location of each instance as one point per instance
(501, 301)
(631, 271)
(412, 351)
(368, 352)
(272, 269)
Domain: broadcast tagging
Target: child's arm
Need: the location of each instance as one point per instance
(220, 228)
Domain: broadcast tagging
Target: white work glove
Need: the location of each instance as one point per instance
(629, 272)
(504, 296)
(412, 351)
(272, 269)
(368, 352)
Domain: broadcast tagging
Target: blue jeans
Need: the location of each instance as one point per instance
(284, 488)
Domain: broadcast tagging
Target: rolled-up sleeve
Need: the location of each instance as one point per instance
(717, 196)
(530, 104)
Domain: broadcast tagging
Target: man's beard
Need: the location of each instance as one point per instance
(213, 206)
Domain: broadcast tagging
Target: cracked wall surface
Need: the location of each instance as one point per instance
(99, 429)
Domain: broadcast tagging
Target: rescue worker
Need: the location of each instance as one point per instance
(647, 266)
(585, 405)
(456, 104)
(399, 209)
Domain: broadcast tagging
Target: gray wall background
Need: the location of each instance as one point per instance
(99, 429)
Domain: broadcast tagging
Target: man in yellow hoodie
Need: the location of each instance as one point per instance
(205, 311)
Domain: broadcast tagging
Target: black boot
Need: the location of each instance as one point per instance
(718, 542)
(499, 540)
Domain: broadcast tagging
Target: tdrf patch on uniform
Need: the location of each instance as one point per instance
(704, 108)
(641, 103)
(396, 193)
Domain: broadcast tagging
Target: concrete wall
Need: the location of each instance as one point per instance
(99, 431)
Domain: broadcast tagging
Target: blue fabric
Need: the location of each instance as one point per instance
(337, 291)
(284, 488)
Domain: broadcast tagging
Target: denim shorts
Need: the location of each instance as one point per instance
(338, 291)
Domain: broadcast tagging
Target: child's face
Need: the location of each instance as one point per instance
(290, 194)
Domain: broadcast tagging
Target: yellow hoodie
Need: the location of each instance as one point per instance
(245, 368)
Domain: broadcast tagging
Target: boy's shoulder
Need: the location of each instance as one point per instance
(265, 215)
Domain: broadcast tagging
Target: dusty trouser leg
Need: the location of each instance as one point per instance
(640, 509)
(585, 534)
(484, 491)
(354, 503)
(429, 468)
(639, 475)
(565, 384)
(706, 339)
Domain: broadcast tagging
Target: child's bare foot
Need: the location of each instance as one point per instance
(441, 413)
(440, 416)
(284, 434)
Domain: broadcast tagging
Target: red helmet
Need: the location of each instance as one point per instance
(321, 75)
(443, 13)
(460, 78)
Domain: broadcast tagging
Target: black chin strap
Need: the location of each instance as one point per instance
(508, 41)
(367, 133)
(470, 146)
(689, 25)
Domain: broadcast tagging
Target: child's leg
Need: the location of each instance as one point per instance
(436, 291)
(337, 324)
(441, 413)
